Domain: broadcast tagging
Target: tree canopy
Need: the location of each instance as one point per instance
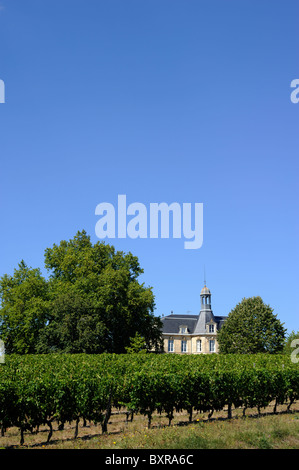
(251, 327)
(24, 308)
(92, 302)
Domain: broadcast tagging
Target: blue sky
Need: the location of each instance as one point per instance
(164, 101)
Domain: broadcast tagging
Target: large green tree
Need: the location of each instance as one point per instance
(92, 302)
(251, 327)
(24, 309)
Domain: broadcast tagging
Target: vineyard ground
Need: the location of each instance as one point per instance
(268, 430)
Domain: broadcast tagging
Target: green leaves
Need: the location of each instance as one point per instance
(137, 345)
(251, 328)
(91, 303)
(37, 389)
(24, 309)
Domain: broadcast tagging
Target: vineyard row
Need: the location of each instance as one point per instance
(36, 390)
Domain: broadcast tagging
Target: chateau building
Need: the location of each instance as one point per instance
(193, 334)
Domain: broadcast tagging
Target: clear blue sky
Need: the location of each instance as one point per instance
(164, 101)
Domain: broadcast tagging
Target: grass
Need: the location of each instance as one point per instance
(268, 431)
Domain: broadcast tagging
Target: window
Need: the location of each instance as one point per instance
(198, 345)
(184, 345)
(183, 329)
(212, 345)
(211, 328)
(170, 345)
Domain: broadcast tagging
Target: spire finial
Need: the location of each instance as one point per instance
(204, 274)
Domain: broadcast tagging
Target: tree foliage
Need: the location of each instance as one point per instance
(251, 327)
(137, 345)
(24, 308)
(91, 303)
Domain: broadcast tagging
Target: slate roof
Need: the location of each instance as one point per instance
(172, 323)
(220, 320)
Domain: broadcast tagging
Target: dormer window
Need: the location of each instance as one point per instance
(211, 328)
(183, 329)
